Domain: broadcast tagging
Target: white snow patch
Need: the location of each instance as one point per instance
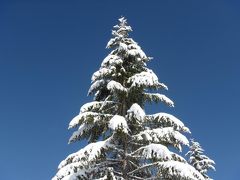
(167, 134)
(78, 160)
(113, 85)
(137, 112)
(82, 128)
(146, 78)
(101, 73)
(94, 105)
(159, 97)
(110, 60)
(91, 105)
(168, 119)
(155, 150)
(180, 170)
(83, 116)
(118, 122)
(137, 53)
(96, 85)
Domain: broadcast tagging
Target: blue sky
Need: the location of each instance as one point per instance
(49, 50)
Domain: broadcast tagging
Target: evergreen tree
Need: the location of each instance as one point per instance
(123, 141)
(198, 160)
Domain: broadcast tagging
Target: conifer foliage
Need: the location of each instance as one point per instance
(123, 141)
(198, 160)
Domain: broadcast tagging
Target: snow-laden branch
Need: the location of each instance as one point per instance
(135, 51)
(95, 105)
(116, 86)
(156, 151)
(162, 135)
(156, 97)
(83, 128)
(146, 79)
(150, 151)
(102, 72)
(111, 60)
(166, 120)
(136, 112)
(96, 85)
(118, 123)
(179, 170)
(142, 167)
(81, 159)
(197, 159)
(88, 116)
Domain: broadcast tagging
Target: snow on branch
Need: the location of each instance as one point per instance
(116, 86)
(83, 128)
(198, 160)
(118, 123)
(178, 170)
(167, 120)
(163, 135)
(135, 51)
(157, 151)
(87, 116)
(95, 105)
(111, 60)
(98, 84)
(146, 79)
(113, 41)
(102, 72)
(150, 151)
(120, 32)
(136, 112)
(71, 171)
(77, 162)
(156, 97)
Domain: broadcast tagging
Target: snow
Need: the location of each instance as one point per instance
(122, 19)
(87, 154)
(82, 128)
(111, 60)
(76, 120)
(84, 116)
(89, 106)
(179, 170)
(158, 97)
(113, 85)
(146, 78)
(134, 46)
(198, 160)
(101, 73)
(136, 112)
(95, 105)
(118, 122)
(165, 118)
(80, 159)
(122, 47)
(96, 85)
(158, 151)
(137, 53)
(68, 172)
(113, 41)
(167, 134)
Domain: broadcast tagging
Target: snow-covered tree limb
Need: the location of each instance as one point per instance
(166, 120)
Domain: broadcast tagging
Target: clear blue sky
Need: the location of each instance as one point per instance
(49, 50)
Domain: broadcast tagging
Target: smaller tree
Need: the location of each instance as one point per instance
(198, 160)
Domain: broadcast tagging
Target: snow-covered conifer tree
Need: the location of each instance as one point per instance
(198, 160)
(123, 141)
